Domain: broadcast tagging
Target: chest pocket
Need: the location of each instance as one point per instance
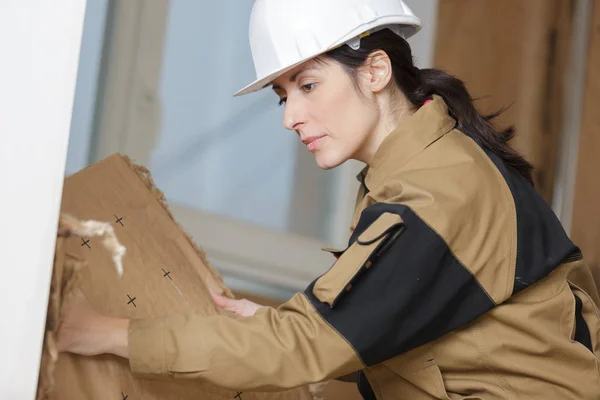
(358, 258)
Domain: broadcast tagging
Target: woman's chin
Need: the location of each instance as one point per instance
(327, 161)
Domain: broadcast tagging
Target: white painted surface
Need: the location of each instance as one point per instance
(40, 43)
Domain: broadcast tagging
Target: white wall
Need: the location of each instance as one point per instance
(40, 43)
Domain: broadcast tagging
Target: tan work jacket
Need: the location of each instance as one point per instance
(458, 283)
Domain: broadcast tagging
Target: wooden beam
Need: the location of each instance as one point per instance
(513, 53)
(566, 170)
(586, 209)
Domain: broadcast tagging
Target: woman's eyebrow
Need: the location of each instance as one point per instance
(295, 76)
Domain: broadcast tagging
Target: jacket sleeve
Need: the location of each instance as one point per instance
(275, 349)
(395, 287)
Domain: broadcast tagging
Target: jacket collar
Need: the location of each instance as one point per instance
(413, 135)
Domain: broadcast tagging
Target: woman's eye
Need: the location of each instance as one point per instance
(308, 87)
(305, 88)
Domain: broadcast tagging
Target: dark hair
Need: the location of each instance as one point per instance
(420, 84)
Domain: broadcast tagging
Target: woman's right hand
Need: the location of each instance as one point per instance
(242, 307)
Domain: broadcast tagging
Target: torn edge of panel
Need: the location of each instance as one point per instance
(216, 282)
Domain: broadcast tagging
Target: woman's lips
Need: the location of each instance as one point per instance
(313, 142)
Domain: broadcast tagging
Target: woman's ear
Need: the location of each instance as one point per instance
(377, 71)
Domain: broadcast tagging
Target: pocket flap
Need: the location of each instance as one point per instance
(357, 258)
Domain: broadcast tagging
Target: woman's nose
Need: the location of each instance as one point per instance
(292, 117)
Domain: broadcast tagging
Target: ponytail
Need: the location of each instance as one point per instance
(421, 84)
(470, 121)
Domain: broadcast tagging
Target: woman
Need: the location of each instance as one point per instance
(458, 281)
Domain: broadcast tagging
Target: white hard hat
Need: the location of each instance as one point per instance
(285, 33)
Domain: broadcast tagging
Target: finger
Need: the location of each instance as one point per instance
(226, 303)
(218, 299)
(242, 307)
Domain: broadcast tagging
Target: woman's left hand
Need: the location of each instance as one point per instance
(85, 331)
(242, 307)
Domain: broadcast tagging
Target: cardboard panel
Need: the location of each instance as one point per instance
(164, 273)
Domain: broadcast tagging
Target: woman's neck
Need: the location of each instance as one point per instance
(388, 122)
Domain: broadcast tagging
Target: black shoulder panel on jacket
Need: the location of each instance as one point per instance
(542, 243)
(414, 292)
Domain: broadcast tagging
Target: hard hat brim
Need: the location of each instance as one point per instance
(265, 81)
